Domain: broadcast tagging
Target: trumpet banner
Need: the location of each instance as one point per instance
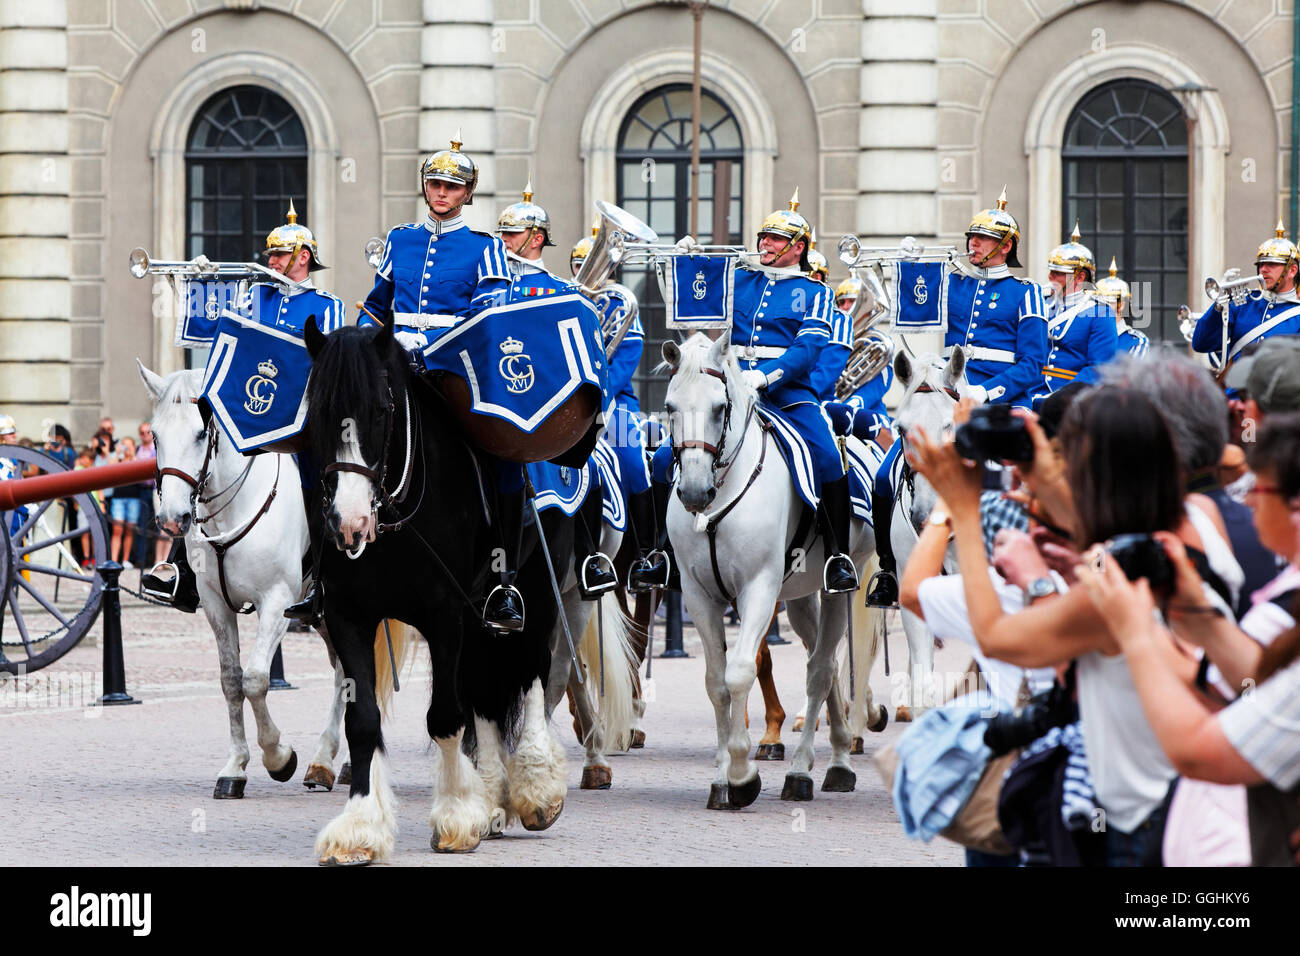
(699, 291)
(920, 297)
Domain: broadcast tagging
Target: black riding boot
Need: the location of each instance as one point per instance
(594, 568)
(884, 589)
(659, 494)
(308, 611)
(650, 569)
(504, 609)
(177, 589)
(839, 575)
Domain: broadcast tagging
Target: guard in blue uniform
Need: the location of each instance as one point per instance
(1000, 322)
(854, 395)
(1273, 311)
(625, 430)
(1114, 291)
(525, 229)
(840, 345)
(1080, 327)
(291, 250)
(781, 322)
(433, 274)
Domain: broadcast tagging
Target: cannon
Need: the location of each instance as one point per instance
(49, 600)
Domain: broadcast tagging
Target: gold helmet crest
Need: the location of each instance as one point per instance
(1112, 288)
(526, 216)
(291, 237)
(850, 288)
(451, 166)
(1279, 249)
(1072, 255)
(997, 223)
(787, 223)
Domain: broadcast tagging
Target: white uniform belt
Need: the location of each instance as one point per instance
(421, 320)
(752, 352)
(975, 353)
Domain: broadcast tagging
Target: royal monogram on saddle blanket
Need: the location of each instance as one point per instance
(522, 361)
(203, 303)
(698, 291)
(256, 382)
(557, 486)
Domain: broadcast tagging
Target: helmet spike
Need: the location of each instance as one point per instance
(1075, 236)
(1002, 200)
(794, 200)
(456, 141)
(595, 226)
(1113, 270)
(812, 239)
(1281, 230)
(292, 215)
(528, 189)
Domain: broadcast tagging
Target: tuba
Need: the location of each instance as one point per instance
(618, 231)
(871, 353)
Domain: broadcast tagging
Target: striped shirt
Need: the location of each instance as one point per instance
(1264, 727)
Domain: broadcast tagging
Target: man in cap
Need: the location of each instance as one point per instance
(433, 274)
(291, 250)
(1114, 291)
(1269, 378)
(1080, 327)
(1273, 310)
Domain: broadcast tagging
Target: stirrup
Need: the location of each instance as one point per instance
(596, 576)
(843, 588)
(508, 595)
(645, 565)
(163, 590)
(882, 580)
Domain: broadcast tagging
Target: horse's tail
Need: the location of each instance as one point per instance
(403, 640)
(614, 709)
(866, 645)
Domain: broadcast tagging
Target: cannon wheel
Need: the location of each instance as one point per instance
(49, 602)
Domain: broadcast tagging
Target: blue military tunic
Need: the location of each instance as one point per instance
(999, 320)
(833, 357)
(273, 305)
(1081, 338)
(869, 401)
(1248, 322)
(1132, 341)
(434, 273)
(625, 429)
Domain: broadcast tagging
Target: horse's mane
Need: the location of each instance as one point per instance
(695, 354)
(347, 378)
(180, 389)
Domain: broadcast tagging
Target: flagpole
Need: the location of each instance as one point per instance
(697, 12)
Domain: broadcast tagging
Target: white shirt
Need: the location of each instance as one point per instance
(943, 605)
(1264, 727)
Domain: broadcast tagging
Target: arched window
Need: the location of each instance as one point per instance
(1125, 180)
(654, 183)
(245, 158)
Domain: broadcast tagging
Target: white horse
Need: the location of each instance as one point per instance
(931, 390)
(245, 533)
(732, 521)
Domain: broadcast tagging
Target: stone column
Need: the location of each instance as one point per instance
(457, 91)
(35, 261)
(898, 172)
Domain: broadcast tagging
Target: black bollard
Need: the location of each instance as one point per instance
(114, 665)
(277, 672)
(673, 625)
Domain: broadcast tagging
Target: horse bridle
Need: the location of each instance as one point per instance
(718, 450)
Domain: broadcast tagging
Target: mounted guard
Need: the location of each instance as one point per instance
(1080, 326)
(1250, 308)
(1114, 291)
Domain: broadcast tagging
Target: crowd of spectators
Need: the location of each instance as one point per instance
(1134, 613)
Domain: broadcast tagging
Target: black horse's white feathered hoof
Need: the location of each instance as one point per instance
(798, 786)
(229, 788)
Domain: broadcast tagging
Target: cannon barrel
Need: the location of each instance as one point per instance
(64, 484)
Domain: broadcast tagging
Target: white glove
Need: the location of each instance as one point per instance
(201, 262)
(754, 379)
(687, 244)
(979, 393)
(409, 340)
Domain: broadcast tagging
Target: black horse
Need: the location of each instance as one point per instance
(407, 504)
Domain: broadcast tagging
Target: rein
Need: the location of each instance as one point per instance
(718, 450)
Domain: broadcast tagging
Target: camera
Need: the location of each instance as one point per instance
(1054, 707)
(994, 434)
(1142, 556)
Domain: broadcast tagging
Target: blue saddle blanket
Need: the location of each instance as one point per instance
(256, 382)
(558, 486)
(865, 458)
(522, 361)
(864, 461)
(613, 509)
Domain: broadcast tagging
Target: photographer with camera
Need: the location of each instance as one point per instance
(1116, 473)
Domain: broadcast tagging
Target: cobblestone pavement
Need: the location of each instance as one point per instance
(132, 785)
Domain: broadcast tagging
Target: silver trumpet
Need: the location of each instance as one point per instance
(374, 252)
(1233, 285)
(853, 254)
(202, 268)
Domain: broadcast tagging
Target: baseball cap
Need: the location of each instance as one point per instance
(1271, 375)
